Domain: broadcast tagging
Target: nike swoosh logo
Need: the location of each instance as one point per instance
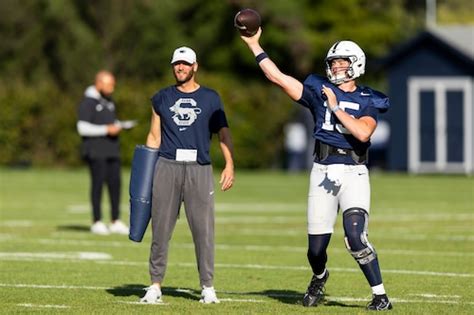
(364, 94)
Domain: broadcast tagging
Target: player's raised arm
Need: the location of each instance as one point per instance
(290, 85)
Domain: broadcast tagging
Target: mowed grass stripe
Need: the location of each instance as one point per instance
(299, 217)
(229, 247)
(420, 225)
(13, 257)
(165, 290)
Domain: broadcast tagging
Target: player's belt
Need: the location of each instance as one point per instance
(323, 150)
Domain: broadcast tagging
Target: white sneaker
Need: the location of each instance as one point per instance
(118, 227)
(208, 295)
(99, 228)
(153, 295)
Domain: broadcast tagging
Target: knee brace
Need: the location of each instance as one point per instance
(355, 222)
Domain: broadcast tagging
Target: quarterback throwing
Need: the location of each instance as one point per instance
(345, 116)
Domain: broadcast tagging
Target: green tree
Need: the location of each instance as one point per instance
(51, 50)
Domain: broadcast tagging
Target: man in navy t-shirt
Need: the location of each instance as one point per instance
(345, 116)
(184, 117)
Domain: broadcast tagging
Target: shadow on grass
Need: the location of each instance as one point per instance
(128, 290)
(283, 296)
(296, 298)
(138, 290)
(340, 304)
(74, 228)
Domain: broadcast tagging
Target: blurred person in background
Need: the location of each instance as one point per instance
(99, 128)
(296, 143)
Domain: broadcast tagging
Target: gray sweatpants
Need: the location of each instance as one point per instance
(173, 183)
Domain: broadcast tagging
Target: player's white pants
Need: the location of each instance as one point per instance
(325, 197)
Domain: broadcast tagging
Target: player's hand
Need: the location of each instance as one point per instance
(331, 97)
(113, 129)
(227, 178)
(253, 40)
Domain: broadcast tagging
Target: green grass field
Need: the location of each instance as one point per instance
(421, 226)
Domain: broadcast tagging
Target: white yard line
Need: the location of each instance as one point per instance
(242, 300)
(390, 215)
(413, 272)
(257, 248)
(141, 303)
(54, 256)
(223, 207)
(6, 237)
(382, 218)
(445, 238)
(51, 286)
(403, 235)
(436, 296)
(42, 305)
(281, 232)
(237, 266)
(16, 223)
(80, 208)
(302, 268)
(260, 219)
(260, 207)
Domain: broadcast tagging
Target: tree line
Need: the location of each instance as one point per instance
(51, 50)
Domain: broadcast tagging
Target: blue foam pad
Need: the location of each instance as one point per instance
(141, 182)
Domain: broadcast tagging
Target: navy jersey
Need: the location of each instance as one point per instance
(188, 120)
(363, 101)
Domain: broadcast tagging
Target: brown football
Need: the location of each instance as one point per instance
(247, 21)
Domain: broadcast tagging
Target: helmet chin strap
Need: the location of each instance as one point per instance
(340, 78)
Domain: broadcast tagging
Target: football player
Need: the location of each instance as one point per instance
(345, 116)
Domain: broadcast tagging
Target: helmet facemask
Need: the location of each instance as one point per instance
(353, 53)
(340, 76)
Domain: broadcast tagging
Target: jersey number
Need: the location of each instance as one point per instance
(327, 125)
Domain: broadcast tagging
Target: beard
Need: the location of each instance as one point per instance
(107, 96)
(180, 80)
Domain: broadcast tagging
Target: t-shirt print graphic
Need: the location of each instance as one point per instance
(185, 112)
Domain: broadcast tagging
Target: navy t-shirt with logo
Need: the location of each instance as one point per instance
(188, 120)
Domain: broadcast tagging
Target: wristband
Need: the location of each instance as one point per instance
(261, 56)
(335, 109)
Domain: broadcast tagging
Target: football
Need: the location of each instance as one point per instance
(247, 21)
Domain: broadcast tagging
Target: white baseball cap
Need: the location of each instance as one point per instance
(184, 54)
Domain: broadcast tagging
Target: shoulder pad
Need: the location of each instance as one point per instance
(315, 79)
(379, 100)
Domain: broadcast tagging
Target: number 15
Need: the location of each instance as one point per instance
(327, 125)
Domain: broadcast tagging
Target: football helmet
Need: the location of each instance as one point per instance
(349, 50)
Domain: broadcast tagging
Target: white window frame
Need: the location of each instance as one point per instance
(439, 86)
